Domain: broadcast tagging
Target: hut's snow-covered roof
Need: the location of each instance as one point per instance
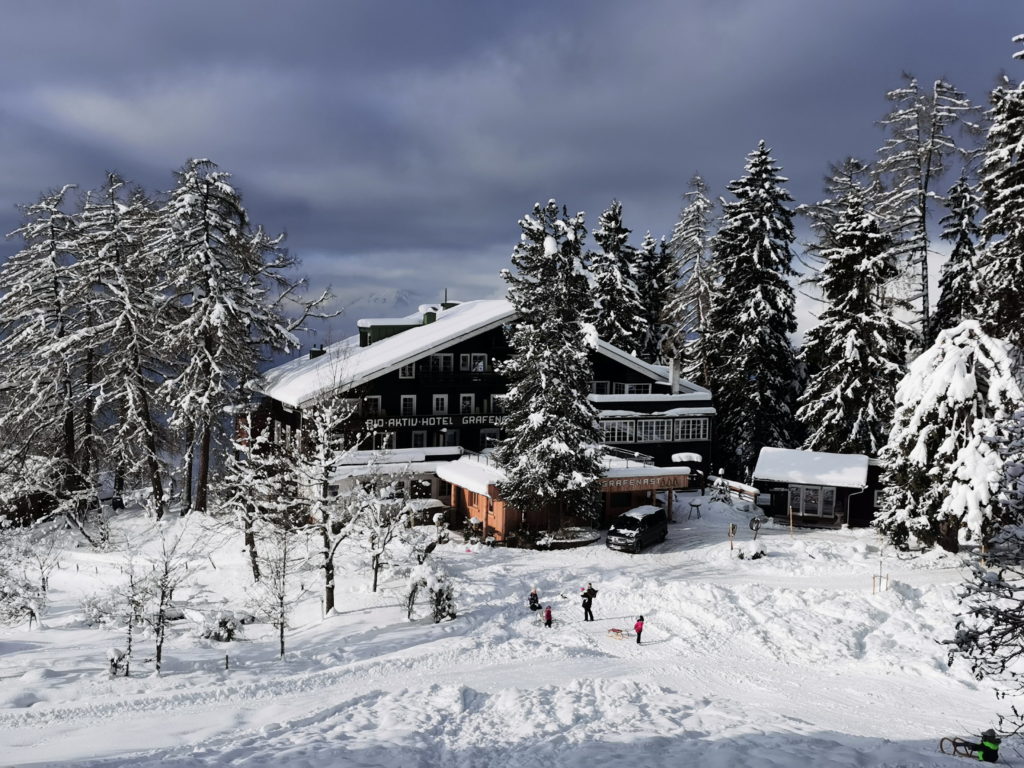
(846, 470)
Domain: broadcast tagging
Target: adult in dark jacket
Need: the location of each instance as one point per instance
(534, 600)
(588, 601)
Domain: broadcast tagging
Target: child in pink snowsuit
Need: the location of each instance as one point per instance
(639, 628)
(547, 616)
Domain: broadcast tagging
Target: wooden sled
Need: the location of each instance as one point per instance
(954, 746)
(619, 634)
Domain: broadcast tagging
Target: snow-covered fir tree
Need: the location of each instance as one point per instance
(657, 273)
(920, 145)
(959, 293)
(687, 313)
(551, 450)
(618, 310)
(942, 469)
(855, 354)
(229, 279)
(1001, 273)
(753, 365)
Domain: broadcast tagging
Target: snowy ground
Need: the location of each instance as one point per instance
(788, 660)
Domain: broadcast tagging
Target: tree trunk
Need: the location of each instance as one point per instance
(203, 470)
(280, 625)
(250, 542)
(328, 565)
(186, 470)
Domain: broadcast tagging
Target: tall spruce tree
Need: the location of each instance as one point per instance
(656, 278)
(941, 465)
(855, 354)
(1002, 197)
(959, 292)
(754, 372)
(921, 144)
(618, 310)
(687, 313)
(551, 450)
(229, 280)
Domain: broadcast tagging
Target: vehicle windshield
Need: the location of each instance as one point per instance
(627, 523)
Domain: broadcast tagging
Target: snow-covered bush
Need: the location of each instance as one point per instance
(222, 627)
(432, 578)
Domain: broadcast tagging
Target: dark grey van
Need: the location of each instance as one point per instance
(638, 528)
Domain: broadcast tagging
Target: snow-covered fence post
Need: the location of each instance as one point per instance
(732, 535)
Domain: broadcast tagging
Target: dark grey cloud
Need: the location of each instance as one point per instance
(398, 143)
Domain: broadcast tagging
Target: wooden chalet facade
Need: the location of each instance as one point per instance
(429, 381)
(817, 488)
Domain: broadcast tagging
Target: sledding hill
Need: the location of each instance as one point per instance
(785, 660)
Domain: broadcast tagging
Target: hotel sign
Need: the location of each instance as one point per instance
(435, 421)
(649, 483)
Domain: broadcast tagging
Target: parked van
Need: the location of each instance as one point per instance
(640, 527)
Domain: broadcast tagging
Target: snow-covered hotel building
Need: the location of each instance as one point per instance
(427, 388)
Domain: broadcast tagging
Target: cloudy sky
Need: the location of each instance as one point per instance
(397, 143)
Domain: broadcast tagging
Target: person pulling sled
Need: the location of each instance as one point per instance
(987, 750)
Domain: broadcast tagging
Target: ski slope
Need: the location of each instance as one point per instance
(788, 660)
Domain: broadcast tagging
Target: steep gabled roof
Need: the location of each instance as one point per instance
(345, 365)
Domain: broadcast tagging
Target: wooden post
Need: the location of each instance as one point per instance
(791, 521)
(732, 535)
(225, 661)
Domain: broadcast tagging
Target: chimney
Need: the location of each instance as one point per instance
(317, 351)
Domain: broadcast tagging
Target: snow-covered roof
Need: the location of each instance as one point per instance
(346, 365)
(620, 413)
(476, 474)
(400, 455)
(661, 397)
(472, 474)
(848, 470)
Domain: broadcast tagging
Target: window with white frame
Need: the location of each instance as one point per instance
(464, 361)
(371, 405)
(443, 362)
(467, 403)
(691, 429)
(653, 430)
(812, 500)
(407, 405)
(419, 438)
(619, 431)
(407, 371)
(450, 437)
(440, 404)
(478, 362)
(383, 441)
